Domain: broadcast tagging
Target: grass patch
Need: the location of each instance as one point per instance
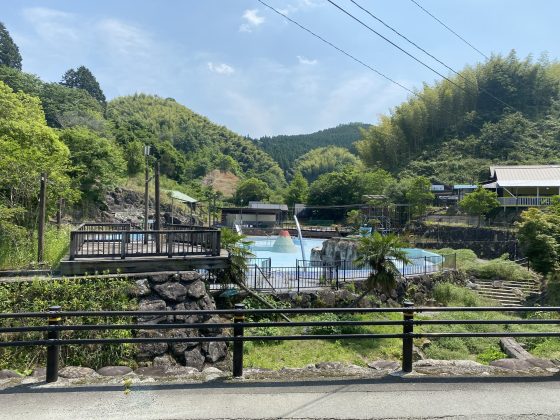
(498, 268)
(84, 294)
(22, 253)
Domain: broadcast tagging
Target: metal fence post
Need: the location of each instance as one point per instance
(238, 345)
(169, 244)
(297, 275)
(123, 244)
(425, 265)
(53, 352)
(408, 329)
(336, 274)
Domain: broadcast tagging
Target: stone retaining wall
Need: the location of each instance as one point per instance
(172, 292)
(418, 289)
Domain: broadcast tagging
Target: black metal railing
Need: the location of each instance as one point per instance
(261, 276)
(55, 325)
(98, 240)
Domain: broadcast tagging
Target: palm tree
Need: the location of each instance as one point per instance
(380, 253)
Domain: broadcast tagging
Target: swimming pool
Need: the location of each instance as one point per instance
(422, 261)
(262, 246)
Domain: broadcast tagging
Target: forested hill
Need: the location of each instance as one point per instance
(506, 110)
(286, 149)
(187, 145)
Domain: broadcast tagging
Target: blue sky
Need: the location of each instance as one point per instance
(245, 67)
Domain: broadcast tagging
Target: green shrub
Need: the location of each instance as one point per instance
(553, 289)
(336, 329)
(21, 252)
(489, 355)
(93, 294)
(448, 294)
(265, 332)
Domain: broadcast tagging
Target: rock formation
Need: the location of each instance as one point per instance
(173, 292)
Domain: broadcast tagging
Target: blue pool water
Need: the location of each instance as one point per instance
(262, 244)
(261, 248)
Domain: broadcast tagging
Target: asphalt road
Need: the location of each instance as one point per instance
(441, 398)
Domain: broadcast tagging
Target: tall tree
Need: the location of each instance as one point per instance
(297, 190)
(83, 78)
(9, 51)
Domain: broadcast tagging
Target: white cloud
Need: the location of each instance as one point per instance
(52, 25)
(252, 20)
(221, 68)
(255, 117)
(125, 39)
(306, 61)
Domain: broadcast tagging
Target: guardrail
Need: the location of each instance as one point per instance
(55, 317)
(260, 275)
(137, 243)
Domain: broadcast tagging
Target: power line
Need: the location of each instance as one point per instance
(352, 57)
(451, 30)
(429, 54)
(337, 48)
(396, 45)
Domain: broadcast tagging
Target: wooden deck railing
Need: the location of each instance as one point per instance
(99, 241)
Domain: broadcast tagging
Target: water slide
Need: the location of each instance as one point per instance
(300, 237)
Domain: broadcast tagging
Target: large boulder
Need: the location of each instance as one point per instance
(215, 351)
(171, 291)
(194, 358)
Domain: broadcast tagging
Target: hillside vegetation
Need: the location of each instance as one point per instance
(505, 110)
(286, 149)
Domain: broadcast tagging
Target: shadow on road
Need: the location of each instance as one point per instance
(305, 385)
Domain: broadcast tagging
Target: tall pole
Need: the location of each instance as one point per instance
(157, 216)
(146, 196)
(42, 212)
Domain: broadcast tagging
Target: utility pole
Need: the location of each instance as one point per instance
(157, 216)
(42, 212)
(146, 194)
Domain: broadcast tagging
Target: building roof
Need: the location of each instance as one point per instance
(177, 195)
(267, 206)
(526, 175)
(464, 187)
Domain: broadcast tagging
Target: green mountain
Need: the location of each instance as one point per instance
(187, 145)
(286, 149)
(506, 110)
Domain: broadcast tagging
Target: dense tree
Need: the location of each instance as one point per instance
(479, 202)
(450, 134)
(297, 190)
(97, 163)
(83, 78)
(251, 189)
(539, 234)
(202, 144)
(28, 147)
(9, 51)
(324, 160)
(287, 149)
(347, 187)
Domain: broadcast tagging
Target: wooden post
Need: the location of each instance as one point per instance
(42, 212)
(59, 214)
(157, 216)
